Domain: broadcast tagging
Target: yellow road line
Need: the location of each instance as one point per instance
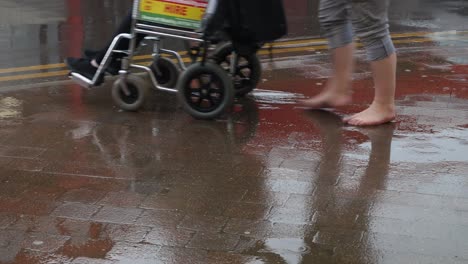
(276, 44)
(32, 68)
(394, 36)
(142, 59)
(33, 76)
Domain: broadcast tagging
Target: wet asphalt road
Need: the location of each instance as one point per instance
(84, 182)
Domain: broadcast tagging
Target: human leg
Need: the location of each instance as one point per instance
(370, 22)
(335, 23)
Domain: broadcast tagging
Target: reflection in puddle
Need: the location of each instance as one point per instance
(458, 60)
(85, 129)
(448, 145)
(275, 97)
(290, 250)
(10, 107)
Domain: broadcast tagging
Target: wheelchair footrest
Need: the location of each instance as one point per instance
(81, 80)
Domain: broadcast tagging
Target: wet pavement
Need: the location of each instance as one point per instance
(83, 182)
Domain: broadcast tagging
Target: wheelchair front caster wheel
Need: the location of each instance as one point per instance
(129, 93)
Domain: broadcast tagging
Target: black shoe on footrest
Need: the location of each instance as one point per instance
(85, 68)
(114, 66)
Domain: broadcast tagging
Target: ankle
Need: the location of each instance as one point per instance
(387, 106)
(340, 87)
(341, 91)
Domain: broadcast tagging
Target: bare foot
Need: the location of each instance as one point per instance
(374, 115)
(327, 99)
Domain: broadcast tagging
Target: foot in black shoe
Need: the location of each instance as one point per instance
(114, 66)
(83, 67)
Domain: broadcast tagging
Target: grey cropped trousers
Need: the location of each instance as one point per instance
(340, 20)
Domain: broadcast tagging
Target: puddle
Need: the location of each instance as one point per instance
(10, 107)
(449, 145)
(289, 250)
(83, 130)
(275, 97)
